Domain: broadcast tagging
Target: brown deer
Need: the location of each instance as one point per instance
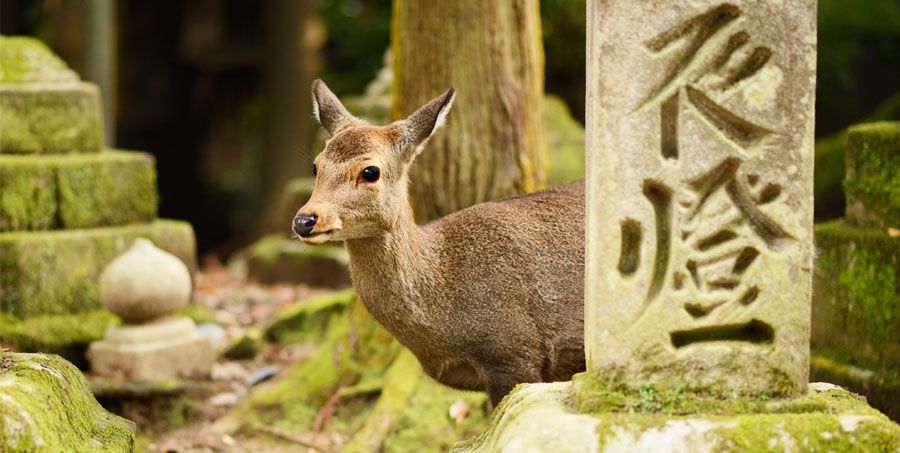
(487, 297)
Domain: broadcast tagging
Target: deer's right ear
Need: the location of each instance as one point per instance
(328, 110)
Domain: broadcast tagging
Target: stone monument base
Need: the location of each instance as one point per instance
(168, 348)
(546, 417)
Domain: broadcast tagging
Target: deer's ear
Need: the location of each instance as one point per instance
(419, 126)
(328, 110)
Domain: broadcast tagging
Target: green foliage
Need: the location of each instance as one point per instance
(358, 34)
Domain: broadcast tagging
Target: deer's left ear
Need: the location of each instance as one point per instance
(418, 127)
(328, 110)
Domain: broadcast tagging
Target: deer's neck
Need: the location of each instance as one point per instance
(392, 273)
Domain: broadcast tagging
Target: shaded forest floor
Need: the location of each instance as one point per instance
(299, 369)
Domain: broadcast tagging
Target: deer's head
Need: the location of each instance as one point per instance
(362, 175)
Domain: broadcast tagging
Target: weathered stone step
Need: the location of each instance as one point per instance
(56, 272)
(76, 190)
(856, 294)
(45, 107)
(873, 179)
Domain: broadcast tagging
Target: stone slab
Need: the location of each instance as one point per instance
(856, 295)
(47, 406)
(73, 191)
(872, 185)
(169, 348)
(277, 259)
(544, 417)
(38, 118)
(57, 272)
(699, 194)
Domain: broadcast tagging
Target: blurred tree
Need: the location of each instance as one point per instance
(492, 53)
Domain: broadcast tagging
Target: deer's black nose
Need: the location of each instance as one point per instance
(304, 224)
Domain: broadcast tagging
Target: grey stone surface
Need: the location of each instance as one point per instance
(145, 283)
(699, 193)
(168, 348)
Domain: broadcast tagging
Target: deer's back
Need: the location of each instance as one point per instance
(513, 274)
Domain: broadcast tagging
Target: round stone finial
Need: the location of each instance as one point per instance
(145, 283)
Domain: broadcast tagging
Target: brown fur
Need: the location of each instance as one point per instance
(486, 298)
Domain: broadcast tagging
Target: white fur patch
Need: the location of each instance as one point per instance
(316, 109)
(442, 115)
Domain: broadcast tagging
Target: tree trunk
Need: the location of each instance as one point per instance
(491, 51)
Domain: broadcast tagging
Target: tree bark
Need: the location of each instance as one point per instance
(491, 51)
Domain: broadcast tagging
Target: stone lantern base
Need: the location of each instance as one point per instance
(546, 417)
(167, 348)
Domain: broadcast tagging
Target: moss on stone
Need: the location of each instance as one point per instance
(856, 294)
(57, 272)
(28, 195)
(76, 191)
(827, 418)
(873, 182)
(881, 387)
(246, 345)
(565, 142)
(275, 259)
(50, 118)
(24, 59)
(311, 319)
(56, 333)
(46, 405)
(355, 349)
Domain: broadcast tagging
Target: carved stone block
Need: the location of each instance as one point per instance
(699, 199)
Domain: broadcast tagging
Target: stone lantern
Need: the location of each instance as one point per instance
(145, 286)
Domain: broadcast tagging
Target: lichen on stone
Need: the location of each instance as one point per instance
(109, 188)
(46, 405)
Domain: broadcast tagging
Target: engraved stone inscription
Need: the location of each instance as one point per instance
(699, 194)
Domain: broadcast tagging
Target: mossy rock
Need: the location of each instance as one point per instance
(310, 320)
(67, 335)
(856, 294)
(50, 118)
(873, 178)
(24, 59)
(44, 107)
(46, 405)
(246, 345)
(77, 190)
(277, 259)
(57, 272)
(544, 417)
(880, 387)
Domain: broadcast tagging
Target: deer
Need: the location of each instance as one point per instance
(486, 298)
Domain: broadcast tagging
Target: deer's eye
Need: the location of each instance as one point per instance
(371, 174)
(314, 169)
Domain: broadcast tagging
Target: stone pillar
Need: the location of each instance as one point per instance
(699, 194)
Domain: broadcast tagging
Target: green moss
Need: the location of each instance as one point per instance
(873, 182)
(565, 142)
(274, 259)
(57, 272)
(355, 349)
(77, 191)
(46, 405)
(881, 387)
(24, 59)
(199, 313)
(41, 118)
(856, 294)
(829, 166)
(309, 320)
(542, 417)
(245, 346)
(56, 333)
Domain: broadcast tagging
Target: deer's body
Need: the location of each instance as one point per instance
(486, 298)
